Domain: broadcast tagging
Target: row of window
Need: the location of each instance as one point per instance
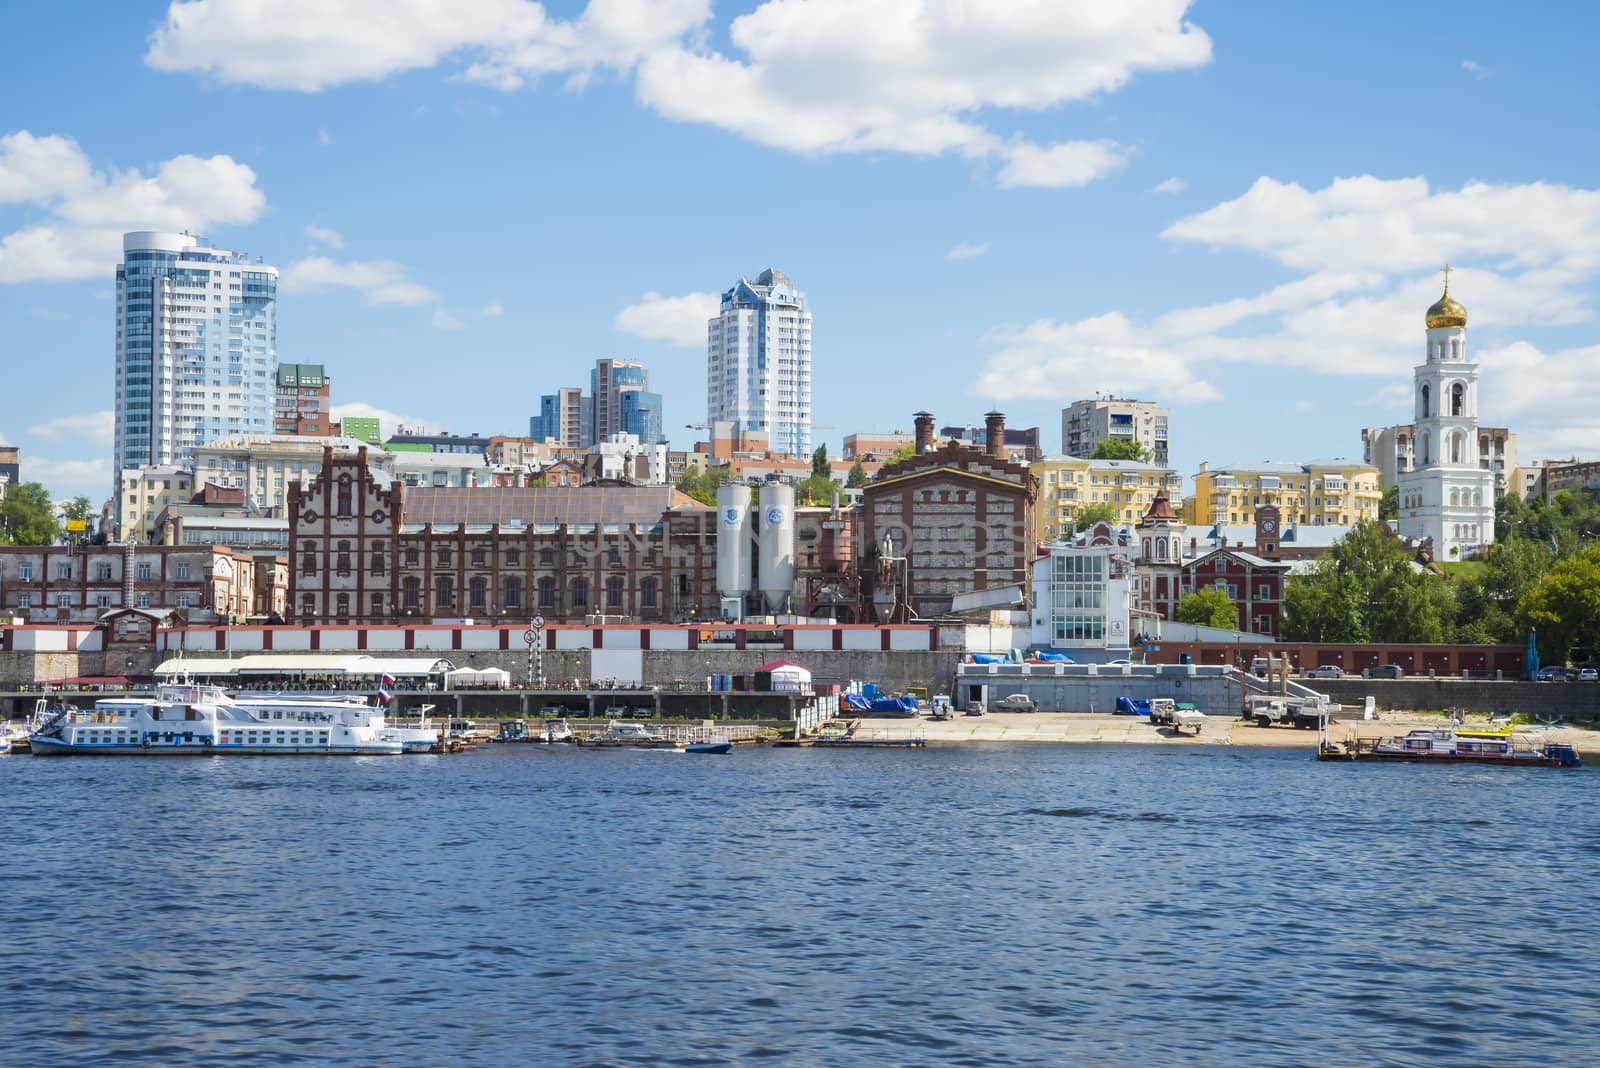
(144, 571)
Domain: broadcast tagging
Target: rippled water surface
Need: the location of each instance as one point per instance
(969, 905)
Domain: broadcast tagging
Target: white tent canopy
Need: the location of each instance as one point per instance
(787, 676)
(481, 678)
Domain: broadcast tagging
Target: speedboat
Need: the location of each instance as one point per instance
(512, 730)
(203, 721)
(716, 743)
(557, 730)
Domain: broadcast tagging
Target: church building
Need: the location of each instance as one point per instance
(1448, 494)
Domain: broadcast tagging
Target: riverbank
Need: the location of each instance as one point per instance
(1091, 728)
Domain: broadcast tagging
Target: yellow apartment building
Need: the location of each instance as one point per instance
(1067, 483)
(1319, 493)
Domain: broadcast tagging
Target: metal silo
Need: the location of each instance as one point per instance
(733, 547)
(775, 569)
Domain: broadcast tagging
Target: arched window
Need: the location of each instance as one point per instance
(1422, 403)
(377, 562)
(1455, 498)
(343, 508)
(1455, 347)
(647, 593)
(580, 593)
(1457, 447)
(614, 591)
(446, 592)
(1161, 548)
(411, 591)
(513, 594)
(478, 592)
(1458, 399)
(547, 592)
(1146, 544)
(1425, 441)
(1477, 499)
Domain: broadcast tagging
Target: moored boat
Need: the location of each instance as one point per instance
(619, 735)
(851, 734)
(417, 738)
(1452, 745)
(203, 721)
(556, 730)
(716, 743)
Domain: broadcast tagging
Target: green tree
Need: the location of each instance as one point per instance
(27, 517)
(1096, 512)
(1117, 449)
(1209, 607)
(857, 476)
(1563, 608)
(1487, 602)
(1322, 606)
(1389, 505)
(702, 485)
(1366, 589)
(904, 452)
(819, 462)
(816, 490)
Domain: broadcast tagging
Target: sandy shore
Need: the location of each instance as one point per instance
(1083, 727)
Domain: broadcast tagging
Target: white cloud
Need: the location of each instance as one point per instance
(1364, 253)
(66, 479)
(919, 82)
(321, 235)
(87, 211)
(444, 320)
(96, 428)
(324, 137)
(389, 422)
(1171, 185)
(491, 310)
(1477, 70)
(675, 320)
(379, 281)
(967, 250)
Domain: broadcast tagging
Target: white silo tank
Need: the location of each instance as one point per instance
(775, 565)
(733, 544)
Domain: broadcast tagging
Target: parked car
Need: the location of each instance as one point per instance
(974, 708)
(1555, 673)
(1385, 671)
(1017, 702)
(1588, 675)
(1325, 671)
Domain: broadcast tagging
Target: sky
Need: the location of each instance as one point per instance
(1237, 209)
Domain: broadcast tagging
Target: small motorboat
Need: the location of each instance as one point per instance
(714, 744)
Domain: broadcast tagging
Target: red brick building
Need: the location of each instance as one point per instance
(303, 405)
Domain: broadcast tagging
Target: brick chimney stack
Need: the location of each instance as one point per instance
(924, 422)
(994, 434)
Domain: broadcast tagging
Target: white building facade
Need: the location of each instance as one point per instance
(758, 362)
(196, 347)
(1447, 495)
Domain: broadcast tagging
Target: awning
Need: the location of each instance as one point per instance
(334, 664)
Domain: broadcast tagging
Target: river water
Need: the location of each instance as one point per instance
(971, 905)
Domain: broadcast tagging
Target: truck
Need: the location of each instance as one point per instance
(1164, 711)
(1269, 709)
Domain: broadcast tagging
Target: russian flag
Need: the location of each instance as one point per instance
(386, 688)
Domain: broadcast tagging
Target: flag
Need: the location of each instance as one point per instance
(386, 688)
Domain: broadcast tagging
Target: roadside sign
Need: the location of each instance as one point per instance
(538, 622)
(529, 637)
(77, 526)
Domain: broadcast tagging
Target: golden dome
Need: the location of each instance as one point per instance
(1446, 312)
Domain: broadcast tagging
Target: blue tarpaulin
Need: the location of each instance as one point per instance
(1133, 706)
(987, 658)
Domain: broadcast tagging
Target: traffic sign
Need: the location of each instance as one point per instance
(538, 622)
(529, 637)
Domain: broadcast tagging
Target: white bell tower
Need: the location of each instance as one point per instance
(1448, 495)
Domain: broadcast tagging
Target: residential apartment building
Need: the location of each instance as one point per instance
(302, 406)
(10, 468)
(446, 443)
(55, 584)
(758, 361)
(566, 418)
(143, 493)
(875, 446)
(1086, 423)
(265, 467)
(1393, 451)
(1067, 484)
(362, 428)
(196, 348)
(1334, 492)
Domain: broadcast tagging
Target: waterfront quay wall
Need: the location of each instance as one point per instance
(1577, 702)
(1082, 688)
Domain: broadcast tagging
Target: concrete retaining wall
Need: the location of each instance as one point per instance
(1577, 701)
(1213, 695)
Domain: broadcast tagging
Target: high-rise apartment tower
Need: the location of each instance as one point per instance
(758, 362)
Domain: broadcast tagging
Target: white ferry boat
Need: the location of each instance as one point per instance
(413, 738)
(203, 720)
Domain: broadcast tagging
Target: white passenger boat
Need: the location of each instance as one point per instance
(620, 735)
(203, 720)
(413, 738)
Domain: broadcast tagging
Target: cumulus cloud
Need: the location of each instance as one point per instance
(1477, 70)
(930, 73)
(95, 428)
(967, 250)
(378, 281)
(1365, 253)
(1171, 185)
(66, 479)
(389, 422)
(491, 310)
(86, 211)
(444, 320)
(675, 320)
(321, 235)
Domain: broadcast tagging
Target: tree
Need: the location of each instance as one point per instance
(1322, 606)
(819, 462)
(1389, 505)
(1118, 449)
(904, 452)
(857, 476)
(1564, 607)
(816, 490)
(1096, 512)
(702, 485)
(1209, 607)
(1366, 590)
(27, 517)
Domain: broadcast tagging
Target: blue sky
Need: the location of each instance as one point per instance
(1238, 209)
